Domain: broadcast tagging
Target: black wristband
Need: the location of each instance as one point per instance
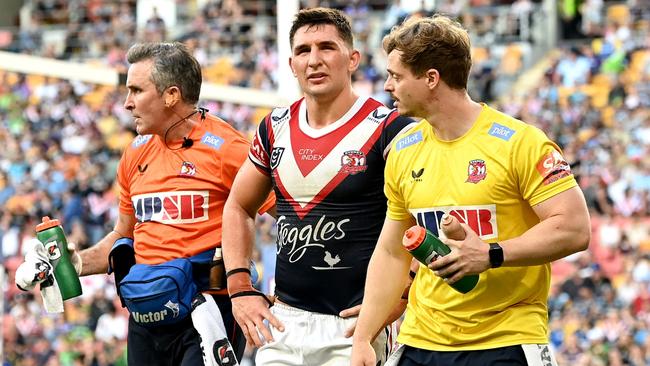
(237, 270)
(251, 293)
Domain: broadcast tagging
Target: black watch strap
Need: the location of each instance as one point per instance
(496, 255)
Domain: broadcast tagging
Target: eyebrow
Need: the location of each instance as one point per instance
(304, 46)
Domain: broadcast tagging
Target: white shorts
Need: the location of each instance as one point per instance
(313, 339)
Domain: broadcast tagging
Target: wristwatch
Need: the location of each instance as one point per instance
(496, 255)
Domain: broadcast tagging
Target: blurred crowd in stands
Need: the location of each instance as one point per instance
(61, 141)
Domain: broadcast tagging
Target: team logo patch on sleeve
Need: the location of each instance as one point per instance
(212, 140)
(501, 131)
(409, 140)
(476, 171)
(353, 162)
(552, 167)
(140, 140)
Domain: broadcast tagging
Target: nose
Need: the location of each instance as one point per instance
(388, 85)
(314, 57)
(128, 102)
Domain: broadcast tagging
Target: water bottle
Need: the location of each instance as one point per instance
(51, 234)
(426, 247)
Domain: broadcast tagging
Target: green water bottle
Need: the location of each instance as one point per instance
(426, 247)
(51, 234)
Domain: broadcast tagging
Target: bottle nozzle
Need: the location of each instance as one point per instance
(413, 237)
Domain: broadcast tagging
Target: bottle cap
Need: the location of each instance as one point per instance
(47, 223)
(413, 237)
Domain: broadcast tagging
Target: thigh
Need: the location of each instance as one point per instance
(170, 345)
(286, 348)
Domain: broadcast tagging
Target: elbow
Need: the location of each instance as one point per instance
(581, 238)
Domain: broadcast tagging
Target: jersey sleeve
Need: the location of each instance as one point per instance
(396, 207)
(233, 157)
(259, 153)
(542, 171)
(394, 125)
(125, 204)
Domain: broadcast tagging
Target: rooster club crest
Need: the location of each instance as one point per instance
(188, 169)
(353, 162)
(476, 171)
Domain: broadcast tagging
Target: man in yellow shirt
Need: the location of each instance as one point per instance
(506, 182)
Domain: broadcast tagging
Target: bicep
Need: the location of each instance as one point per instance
(569, 204)
(250, 189)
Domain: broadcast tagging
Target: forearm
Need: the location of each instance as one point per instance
(387, 277)
(238, 236)
(95, 258)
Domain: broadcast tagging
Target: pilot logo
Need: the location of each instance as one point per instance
(476, 171)
(417, 175)
(353, 162)
(276, 155)
(188, 169)
(174, 307)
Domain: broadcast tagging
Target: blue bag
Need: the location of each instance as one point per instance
(159, 294)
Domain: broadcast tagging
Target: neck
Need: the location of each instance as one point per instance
(181, 122)
(453, 113)
(322, 111)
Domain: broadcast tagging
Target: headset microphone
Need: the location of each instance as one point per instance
(187, 143)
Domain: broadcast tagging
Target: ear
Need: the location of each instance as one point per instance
(433, 78)
(172, 96)
(291, 67)
(355, 58)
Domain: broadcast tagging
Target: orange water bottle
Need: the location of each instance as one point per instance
(426, 247)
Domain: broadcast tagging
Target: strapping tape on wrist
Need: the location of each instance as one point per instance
(239, 284)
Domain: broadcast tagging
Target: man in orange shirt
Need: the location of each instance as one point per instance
(174, 179)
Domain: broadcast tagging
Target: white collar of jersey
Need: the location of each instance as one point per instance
(316, 133)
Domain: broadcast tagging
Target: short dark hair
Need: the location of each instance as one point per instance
(321, 16)
(173, 65)
(436, 42)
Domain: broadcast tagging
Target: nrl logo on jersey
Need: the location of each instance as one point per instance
(276, 155)
(353, 162)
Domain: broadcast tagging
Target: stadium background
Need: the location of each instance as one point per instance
(578, 69)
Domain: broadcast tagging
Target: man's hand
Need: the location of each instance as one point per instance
(75, 258)
(363, 354)
(250, 313)
(35, 269)
(354, 311)
(468, 256)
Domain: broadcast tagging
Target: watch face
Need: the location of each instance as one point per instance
(496, 255)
